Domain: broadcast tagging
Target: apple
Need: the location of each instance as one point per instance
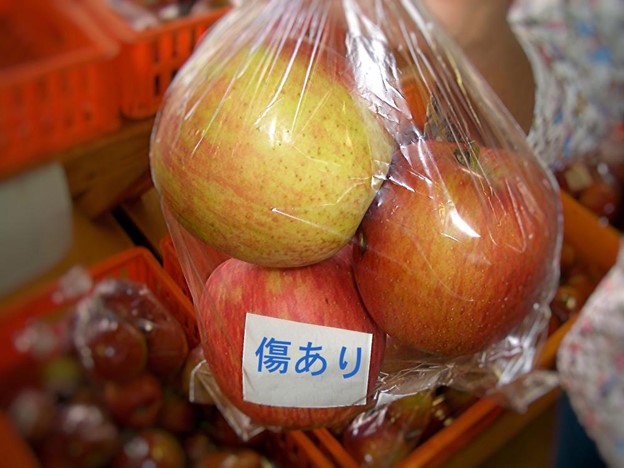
(111, 348)
(274, 165)
(232, 458)
(135, 403)
(193, 258)
(603, 199)
(177, 415)
(458, 247)
(321, 294)
(417, 99)
(217, 427)
(84, 436)
(197, 445)
(441, 416)
(32, 413)
(62, 376)
(168, 348)
(384, 436)
(151, 447)
(193, 390)
(457, 400)
(167, 345)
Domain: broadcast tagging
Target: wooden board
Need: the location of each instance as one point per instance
(103, 173)
(146, 216)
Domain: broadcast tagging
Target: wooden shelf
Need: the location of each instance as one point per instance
(103, 173)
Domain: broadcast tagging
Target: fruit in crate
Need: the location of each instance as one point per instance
(84, 436)
(271, 165)
(384, 436)
(32, 413)
(233, 458)
(192, 389)
(286, 346)
(177, 414)
(121, 329)
(115, 349)
(135, 403)
(594, 185)
(458, 246)
(71, 417)
(576, 284)
(223, 434)
(151, 447)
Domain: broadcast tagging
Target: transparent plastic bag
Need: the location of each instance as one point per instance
(331, 149)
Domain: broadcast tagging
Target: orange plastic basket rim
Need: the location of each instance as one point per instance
(95, 271)
(100, 48)
(124, 32)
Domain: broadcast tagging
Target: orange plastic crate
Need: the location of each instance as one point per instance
(138, 264)
(150, 59)
(56, 81)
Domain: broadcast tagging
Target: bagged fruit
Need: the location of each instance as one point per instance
(357, 216)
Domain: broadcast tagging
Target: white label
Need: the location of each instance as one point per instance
(293, 364)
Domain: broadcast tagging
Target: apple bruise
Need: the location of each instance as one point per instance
(457, 248)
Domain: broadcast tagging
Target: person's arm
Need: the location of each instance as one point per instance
(481, 29)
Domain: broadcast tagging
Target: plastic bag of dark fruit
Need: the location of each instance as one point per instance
(104, 381)
(357, 216)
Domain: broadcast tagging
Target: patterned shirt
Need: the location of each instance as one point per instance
(576, 48)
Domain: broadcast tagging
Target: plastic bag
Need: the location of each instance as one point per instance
(386, 227)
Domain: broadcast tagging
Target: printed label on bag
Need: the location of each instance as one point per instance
(293, 364)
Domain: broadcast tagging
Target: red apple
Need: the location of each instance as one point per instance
(177, 414)
(441, 416)
(324, 294)
(603, 199)
(459, 246)
(275, 165)
(32, 413)
(384, 436)
(84, 436)
(135, 403)
(192, 389)
(167, 346)
(232, 458)
(217, 427)
(113, 349)
(152, 447)
(197, 445)
(193, 258)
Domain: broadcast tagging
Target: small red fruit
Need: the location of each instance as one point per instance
(135, 403)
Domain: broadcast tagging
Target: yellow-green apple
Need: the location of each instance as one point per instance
(460, 245)
(291, 348)
(269, 155)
